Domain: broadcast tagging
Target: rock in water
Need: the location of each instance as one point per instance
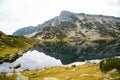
(17, 66)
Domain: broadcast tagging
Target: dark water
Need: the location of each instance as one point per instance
(61, 53)
(80, 51)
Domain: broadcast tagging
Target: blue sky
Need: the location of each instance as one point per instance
(15, 14)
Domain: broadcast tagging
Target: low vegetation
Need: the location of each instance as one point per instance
(109, 64)
(111, 68)
(12, 44)
(82, 72)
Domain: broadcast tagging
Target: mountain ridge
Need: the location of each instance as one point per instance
(86, 26)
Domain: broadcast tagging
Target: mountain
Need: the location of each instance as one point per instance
(75, 26)
(26, 30)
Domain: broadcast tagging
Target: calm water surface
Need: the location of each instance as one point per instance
(55, 54)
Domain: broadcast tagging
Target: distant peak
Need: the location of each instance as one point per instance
(65, 16)
(64, 12)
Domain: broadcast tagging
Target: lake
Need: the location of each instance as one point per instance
(49, 54)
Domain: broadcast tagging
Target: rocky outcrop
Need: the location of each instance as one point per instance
(12, 57)
(21, 77)
(17, 66)
(112, 75)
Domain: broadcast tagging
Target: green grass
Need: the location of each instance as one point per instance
(91, 72)
(12, 44)
(80, 72)
(8, 50)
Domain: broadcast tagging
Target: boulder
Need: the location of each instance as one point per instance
(17, 66)
(12, 57)
(112, 75)
(20, 53)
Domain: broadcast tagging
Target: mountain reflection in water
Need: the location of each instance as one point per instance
(80, 51)
(50, 54)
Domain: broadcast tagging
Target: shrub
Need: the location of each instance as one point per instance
(73, 65)
(109, 64)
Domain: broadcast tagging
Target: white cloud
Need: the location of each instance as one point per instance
(20, 13)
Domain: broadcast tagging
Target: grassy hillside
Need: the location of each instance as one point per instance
(12, 44)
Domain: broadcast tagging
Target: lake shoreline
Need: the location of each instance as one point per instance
(56, 72)
(13, 57)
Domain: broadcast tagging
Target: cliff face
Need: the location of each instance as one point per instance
(76, 25)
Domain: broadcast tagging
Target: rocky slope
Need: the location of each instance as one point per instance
(26, 30)
(75, 26)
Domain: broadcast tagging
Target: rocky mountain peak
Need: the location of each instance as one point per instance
(64, 12)
(65, 15)
(77, 25)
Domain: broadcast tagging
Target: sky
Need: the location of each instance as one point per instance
(15, 14)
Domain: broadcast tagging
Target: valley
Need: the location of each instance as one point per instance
(46, 51)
